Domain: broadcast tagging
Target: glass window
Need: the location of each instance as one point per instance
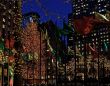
(3, 26)
(3, 19)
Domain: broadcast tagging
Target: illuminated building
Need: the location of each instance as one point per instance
(10, 15)
(98, 36)
(10, 20)
(87, 8)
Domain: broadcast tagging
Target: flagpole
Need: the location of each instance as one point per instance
(56, 60)
(8, 58)
(2, 73)
(98, 58)
(33, 68)
(46, 73)
(40, 56)
(2, 61)
(74, 44)
(56, 65)
(85, 61)
(65, 56)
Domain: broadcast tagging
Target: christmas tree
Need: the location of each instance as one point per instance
(33, 51)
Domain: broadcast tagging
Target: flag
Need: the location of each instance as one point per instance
(60, 32)
(67, 28)
(71, 52)
(93, 51)
(11, 82)
(57, 32)
(106, 49)
(48, 41)
(11, 74)
(9, 43)
(83, 25)
(78, 53)
(2, 44)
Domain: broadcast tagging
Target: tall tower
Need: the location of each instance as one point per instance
(10, 15)
(99, 34)
(86, 9)
(10, 23)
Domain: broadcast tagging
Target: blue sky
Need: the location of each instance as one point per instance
(55, 10)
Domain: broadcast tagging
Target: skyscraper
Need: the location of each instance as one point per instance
(87, 9)
(10, 14)
(10, 20)
(98, 37)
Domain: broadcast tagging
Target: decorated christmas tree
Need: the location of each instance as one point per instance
(33, 52)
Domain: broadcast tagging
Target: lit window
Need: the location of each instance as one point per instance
(3, 26)
(9, 17)
(105, 6)
(3, 20)
(107, 36)
(82, 6)
(94, 34)
(78, 45)
(90, 12)
(93, 12)
(102, 9)
(101, 49)
(76, 13)
(85, 11)
(99, 10)
(9, 23)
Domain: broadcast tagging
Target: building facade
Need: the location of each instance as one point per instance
(98, 36)
(88, 8)
(10, 20)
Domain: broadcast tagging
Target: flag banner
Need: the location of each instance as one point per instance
(83, 25)
(92, 50)
(48, 41)
(78, 53)
(68, 29)
(106, 49)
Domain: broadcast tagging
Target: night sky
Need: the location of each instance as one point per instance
(55, 10)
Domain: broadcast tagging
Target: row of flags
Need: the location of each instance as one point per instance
(67, 30)
(83, 25)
